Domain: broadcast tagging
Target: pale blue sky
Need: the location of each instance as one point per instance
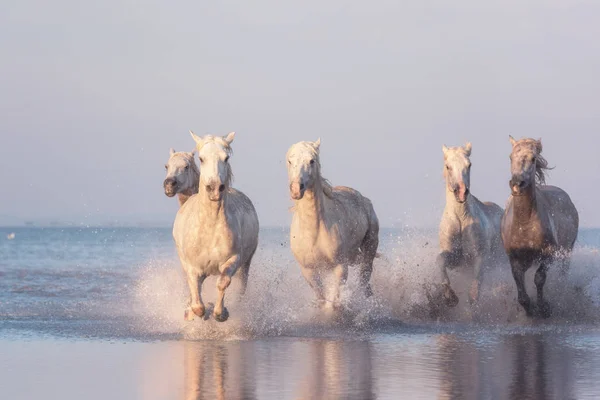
(93, 94)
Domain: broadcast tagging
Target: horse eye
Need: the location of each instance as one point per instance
(166, 166)
(187, 167)
(448, 167)
(312, 161)
(201, 159)
(226, 158)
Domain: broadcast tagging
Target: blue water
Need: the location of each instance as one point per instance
(125, 284)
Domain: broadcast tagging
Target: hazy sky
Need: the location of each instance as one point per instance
(93, 94)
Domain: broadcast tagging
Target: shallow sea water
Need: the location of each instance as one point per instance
(98, 313)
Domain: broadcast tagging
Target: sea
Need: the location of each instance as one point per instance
(76, 300)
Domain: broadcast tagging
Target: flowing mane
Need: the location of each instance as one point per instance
(541, 164)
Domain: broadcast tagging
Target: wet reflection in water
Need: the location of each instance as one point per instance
(444, 366)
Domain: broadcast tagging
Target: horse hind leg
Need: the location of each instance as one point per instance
(477, 279)
(244, 274)
(518, 270)
(368, 249)
(341, 276)
(313, 278)
(540, 280)
(564, 264)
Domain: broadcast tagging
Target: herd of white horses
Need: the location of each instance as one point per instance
(334, 227)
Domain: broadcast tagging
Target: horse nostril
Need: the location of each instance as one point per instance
(208, 188)
(521, 184)
(302, 186)
(221, 188)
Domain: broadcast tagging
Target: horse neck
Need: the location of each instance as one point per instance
(461, 210)
(311, 208)
(184, 195)
(525, 205)
(213, 210)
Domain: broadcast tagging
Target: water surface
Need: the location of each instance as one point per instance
(97, 313)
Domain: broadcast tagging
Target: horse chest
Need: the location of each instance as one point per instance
(210, 251)
(312, 251)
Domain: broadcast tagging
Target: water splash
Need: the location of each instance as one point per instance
(278, 301)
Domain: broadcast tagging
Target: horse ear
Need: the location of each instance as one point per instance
(317, 143)
(444, 149)
(196, 138)
(229, 137)
(512, 140)
(468, 148)
(171, 151)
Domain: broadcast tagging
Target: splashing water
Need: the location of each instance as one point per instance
(128, 283)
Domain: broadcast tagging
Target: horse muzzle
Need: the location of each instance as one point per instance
(170, 186)
(517, 186)
(461, 193)
(215, 191)
(297, 190)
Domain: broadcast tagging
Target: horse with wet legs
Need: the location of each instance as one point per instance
(470, 229)
(332, 227)
(540, 222)
(215, 231)
(182, 177)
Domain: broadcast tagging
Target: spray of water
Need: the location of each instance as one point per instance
(278, 301)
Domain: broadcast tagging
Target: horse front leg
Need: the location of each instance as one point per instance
(228, 269)
(540, 280)
(443, 260)
(341, 276)
(518, 270)
(313, 277)
(477, 278)
(196, 306)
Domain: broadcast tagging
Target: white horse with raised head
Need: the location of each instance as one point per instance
(332, 227)
(470, 229)
(215, 231)
(182, 177)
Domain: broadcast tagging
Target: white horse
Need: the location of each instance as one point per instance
(215, 231)
(182, 177)
(331, 227)
(469, 230)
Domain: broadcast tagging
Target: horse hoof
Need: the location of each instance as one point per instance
(188, 316)
(223, 316)
(199, 311)
(544, 310)
(451, 298)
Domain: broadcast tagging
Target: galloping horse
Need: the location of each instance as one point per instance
(182, 177)
(540, 223)
(332, 227)
(215, 231)
(469, 230)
